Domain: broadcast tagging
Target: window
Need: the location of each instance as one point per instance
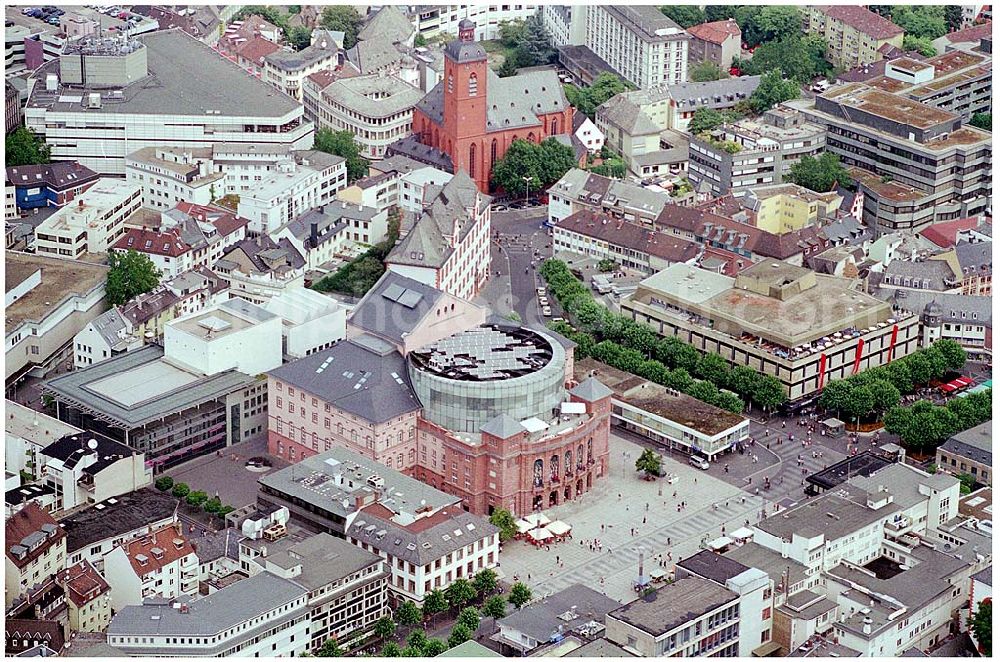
(451, 83)
(472, 160)
(473, 85)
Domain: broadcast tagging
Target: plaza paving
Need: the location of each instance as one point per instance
(613, 569)
(235, 484)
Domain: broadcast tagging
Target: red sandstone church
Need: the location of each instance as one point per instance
(473, 115)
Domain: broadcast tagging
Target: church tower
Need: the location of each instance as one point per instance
(464, 112)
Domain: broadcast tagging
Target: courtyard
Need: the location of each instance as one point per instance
(630, 517)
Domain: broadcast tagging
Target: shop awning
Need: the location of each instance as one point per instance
(540, 534)
(741, 533)
(720, 543)
(537, 519)
(523, 526)
(559, 528)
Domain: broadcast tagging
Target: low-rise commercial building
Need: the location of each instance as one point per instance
(35, 551)
(968, 320)
(161, 564)
(99, 114)
(853, 34)
(47, 301)
(264, 615)
(565, 612)
(92, 223)
(782, 320)
(749, 153)
(310, 321)
(646, 47)
(376, 109)
(287, 69)
(915, 164)
(49, 185)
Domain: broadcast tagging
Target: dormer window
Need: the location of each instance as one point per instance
(473, 85)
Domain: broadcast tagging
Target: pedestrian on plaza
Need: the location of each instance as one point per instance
(668, 541)
(643, 519)
(726, 468)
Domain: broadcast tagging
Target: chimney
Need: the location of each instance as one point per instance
(314, 235)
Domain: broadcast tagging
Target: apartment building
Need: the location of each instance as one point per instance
(334, 231)
(915, 164)
(754, 152)
(93, 532)
(376, 109)
(36, 550)
(853, 33)
(92, 223)
(86, 468)
(817, 327)
(261, 616)
(580, 190)
(48, 300)
(969, 452)
(433, 20)
(347, 585)
(97, 115)
(88, 598)
(396, 181)
(646, 47)
(161, 564)
(566, 24)
(782, 208)
(718, 42)
(287, 69)
(448, 246)
(260, 268)
(27, 433)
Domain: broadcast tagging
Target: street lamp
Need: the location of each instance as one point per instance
(527, 180)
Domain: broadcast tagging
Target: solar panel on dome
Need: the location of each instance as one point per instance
(409, 298)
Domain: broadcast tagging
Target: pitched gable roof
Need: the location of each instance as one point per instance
(388, 23)
(29, 533)
(716, 32)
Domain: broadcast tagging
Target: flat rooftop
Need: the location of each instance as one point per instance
(33, 425)
(888, 106)
(61, 279)
(117, 516)
(174, 57)
(655, 399)
(831, 515)
(863, 464)
(674, 605)
(140, 387)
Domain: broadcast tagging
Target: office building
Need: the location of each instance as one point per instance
(787, 321)
(310, 321)
(143, 92)
(646, 47)
(915, 164)
(853, 34)
(287, 69)
(434, 20)
(48, 300)
(566, 24)
(754, 152)
(264, 615)
(957, 81)
(92, 223)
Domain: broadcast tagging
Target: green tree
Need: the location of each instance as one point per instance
(434, 647)
(417, 638)
(180, 490)
(650, 462)
(684, 15)
(885, 396)
(330, 648)
(434, 603)
(835, 396)
(715, 13)
(921, 369)
(772, 90)
(769, 393)
(485, 582)
(898, 373)
(520, 595)
(385, 627)
(408, 613)
(819, 174)
(23, 147)
(587, 99)
(420, 40)
(967, 482)
(707, 71)
(460, 593)
(713, 368)
(299, 37)
(920, 20)
(459, 635)
(503, 520)
(953, 17)
(982, 627)
(536, 43)
(953, 353)
(212, 506)
(341, 143)
(495, 607)
(922, 45)
(391, 649)
(511, 33)
(859, 402)
(982, 121)
(469, 617)
(343, 18)
(606, 265)
(774, 22)
(411, 651)
(885, 11)
(556, 160)
(196, 498)
(798, 58)
(704, 120)
(164, 483)
(130, 274)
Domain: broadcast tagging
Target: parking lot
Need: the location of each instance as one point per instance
(616, 514)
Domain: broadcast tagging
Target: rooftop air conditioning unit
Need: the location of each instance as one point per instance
(94, 100)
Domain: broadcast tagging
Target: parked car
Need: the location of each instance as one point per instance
(546, 311)
(699, 461)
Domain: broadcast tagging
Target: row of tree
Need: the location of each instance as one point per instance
(196, 498)
(925, 426)
(627, 345)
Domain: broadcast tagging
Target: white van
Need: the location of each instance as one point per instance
(699, 461)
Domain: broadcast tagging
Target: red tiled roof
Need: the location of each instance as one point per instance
(83, 584)
(716, 32)
(257, 49)
(975, 33)
(170, 544)
(225, 221)
(633, 236)
(862, 20)
(144, 240)
(25, 522)
(323, 78)
(944, 234)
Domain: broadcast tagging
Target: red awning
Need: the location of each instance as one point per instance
(964, 381)
(948, 388)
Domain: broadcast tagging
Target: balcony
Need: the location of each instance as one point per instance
(899, 526)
